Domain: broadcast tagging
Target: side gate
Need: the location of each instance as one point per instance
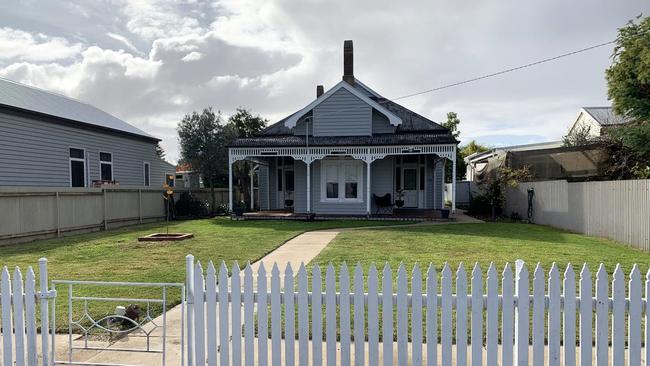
(100, 330)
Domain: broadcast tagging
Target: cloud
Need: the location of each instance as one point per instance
(24, 46)
(150, 62)
(124, 41)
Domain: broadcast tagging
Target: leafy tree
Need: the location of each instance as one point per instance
(578, 136)
(472, 147)
(628, 78)
(204, 146)
(452, 123)
(496, 184)
(243, 124)
(628, 82)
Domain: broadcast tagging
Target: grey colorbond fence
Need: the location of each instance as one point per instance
(618, 210)
(28, 213)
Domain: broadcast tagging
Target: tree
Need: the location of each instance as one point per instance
(472, 147)
(628, 78)
(628, 82)
(452, 123)
(204, 146)
(243, 124)
(578, 136)
(496, 184)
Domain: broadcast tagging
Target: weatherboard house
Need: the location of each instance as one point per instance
(50, 140)
(349, 152)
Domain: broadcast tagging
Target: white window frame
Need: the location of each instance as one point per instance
(71, 159)
(340, 164)
(146, 164)
(106, 162)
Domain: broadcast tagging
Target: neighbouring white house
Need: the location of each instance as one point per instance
(597, 120)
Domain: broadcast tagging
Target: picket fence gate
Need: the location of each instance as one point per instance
(18, 300)
(476, 323)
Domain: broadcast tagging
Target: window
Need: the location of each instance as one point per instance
(280, 179)
(77, 167)
(289, 180)
(341, 180)
(106, 166)
(422, 174)
(146, 174)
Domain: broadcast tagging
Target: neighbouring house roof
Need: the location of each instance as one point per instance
(413, 129)
(527, 147)
(605, 116)
(17, 96)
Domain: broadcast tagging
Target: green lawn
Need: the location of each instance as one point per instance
(116, 255)
(483, 243)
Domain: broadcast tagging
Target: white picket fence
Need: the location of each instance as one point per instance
(18, 300)
(361, 316)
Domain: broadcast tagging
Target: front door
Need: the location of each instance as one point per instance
(410, 179)
(285, 187)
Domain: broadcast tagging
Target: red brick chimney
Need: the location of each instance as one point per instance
(319, 90)
(348, 62)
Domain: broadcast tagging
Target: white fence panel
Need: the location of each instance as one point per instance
(502, 312)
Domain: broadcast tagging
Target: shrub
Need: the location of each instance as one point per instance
(481, 206)
(189, 205)
(222, 210)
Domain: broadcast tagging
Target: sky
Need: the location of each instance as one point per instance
(150, 62)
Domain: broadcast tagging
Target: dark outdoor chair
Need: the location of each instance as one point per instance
(384, 203)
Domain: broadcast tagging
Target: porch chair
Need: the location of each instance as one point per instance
(384, 203)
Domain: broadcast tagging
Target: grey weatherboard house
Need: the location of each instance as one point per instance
(349, 145)
(49, 140)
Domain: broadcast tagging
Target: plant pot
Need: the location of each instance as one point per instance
(399, 203)
(238, 211)
(444, 213)
(288, 203)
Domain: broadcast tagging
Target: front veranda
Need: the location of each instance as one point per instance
(380, 181)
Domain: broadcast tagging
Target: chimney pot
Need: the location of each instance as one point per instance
(319, 90)
(348, 62)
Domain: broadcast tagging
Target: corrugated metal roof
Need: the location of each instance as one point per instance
(21, 96)
(605, 116)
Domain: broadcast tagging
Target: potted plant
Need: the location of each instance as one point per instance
(399, 198)
(239, 208)
(444, 213)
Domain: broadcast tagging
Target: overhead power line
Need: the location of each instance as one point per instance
(504, 71)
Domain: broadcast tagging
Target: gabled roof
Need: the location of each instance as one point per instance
(293, 119)
(605, 116)
(34, 100)
(411, 122)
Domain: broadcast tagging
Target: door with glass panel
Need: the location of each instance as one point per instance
(285, 183)
(410, 182)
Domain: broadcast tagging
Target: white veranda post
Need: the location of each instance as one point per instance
(368, 162)
(252, 174)
(453, 181)
(229, 182)
(308, 186)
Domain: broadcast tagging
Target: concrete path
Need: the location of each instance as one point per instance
(301, 249)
